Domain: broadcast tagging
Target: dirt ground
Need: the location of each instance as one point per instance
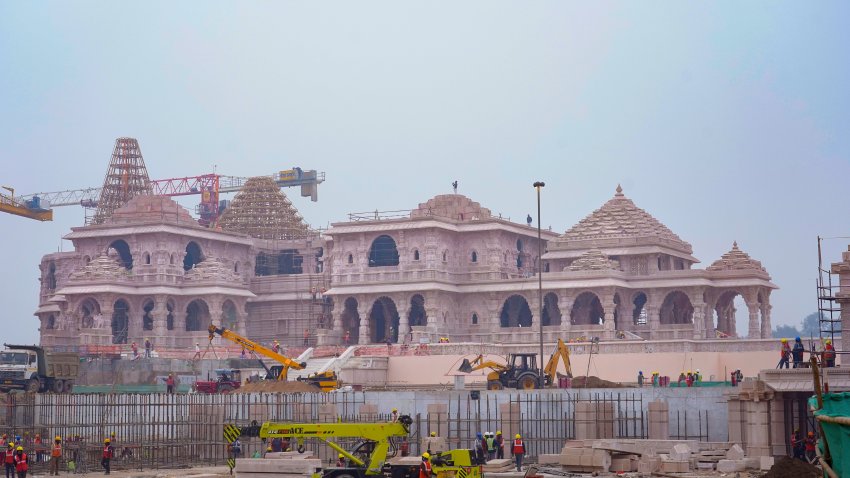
(196, 472)
(271, 386)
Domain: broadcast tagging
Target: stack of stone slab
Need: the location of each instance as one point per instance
(499, 466)
(278, 466)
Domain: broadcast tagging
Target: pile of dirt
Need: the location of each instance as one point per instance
(273, 386)
(592, 381)
(787, 467)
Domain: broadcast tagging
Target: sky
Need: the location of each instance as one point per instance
(725, 120)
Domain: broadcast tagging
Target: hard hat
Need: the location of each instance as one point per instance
(828, 341)
(811, 434)
(640, 371)
(426, 456)
(784, 340)
(269, 448)
(58, 438)
(797, 339)
(395, 409)
(341, 455)
(498, 432)
(517, 436)
(20, 448)
(113, 434)
(106, 440)
(433, 434)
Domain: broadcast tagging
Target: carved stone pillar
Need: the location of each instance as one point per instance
(363, 309)
(242, 318)
(566, 309)
(160, 316)
(403, 308)
(699, 318)
(766, 329)
(653, 311)
(215, 306)
(105, 322)
(754, 331)
(608, 324)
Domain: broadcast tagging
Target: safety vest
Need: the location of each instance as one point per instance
(491, 444)
(57, 450)
(810, 444)
(425, 469)
(10, 457)
(21, 462)
(519, 448)
(829, 353)
(107, 451)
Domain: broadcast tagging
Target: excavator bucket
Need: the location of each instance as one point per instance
(465, 366)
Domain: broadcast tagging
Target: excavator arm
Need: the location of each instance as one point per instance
(479, 363)
(256, 348)
(561, 353)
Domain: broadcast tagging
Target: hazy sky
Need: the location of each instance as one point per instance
(726, 120)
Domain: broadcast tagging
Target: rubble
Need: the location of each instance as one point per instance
(787, 467)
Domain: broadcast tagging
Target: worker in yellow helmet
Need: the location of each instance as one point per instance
(340, 461)
(517, 451)
(10, 460)
(784, 354)
(425, 468)
(500, 445)
(21, 462)
(55, 455)
(108, 453)
(828, 354)
(394, 415)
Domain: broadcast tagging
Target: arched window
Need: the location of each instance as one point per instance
(120, 321)
(50, 280)
(51, 322)
(383, 252)
(123, 251)
(351, 259)
(147, 319)
(639, 314)
(474, 319)
(545, 267)
(417, 315)
(445, 256)
(197, 315)
(147, 257)
(474, 256)
(193, 255)
(519, 245)
(416, 254)
(235, 267)
(515, 312)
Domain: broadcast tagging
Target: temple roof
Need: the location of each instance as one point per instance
(261, 210)
(212, 269)
(147, 209)
(619, 219)
(737, 260)
(451, 206)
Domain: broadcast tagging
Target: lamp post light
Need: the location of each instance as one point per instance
(539, 185)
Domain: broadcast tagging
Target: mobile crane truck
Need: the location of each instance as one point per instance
(369, 457)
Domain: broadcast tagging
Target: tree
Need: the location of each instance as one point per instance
(786, 331)
(810, 326)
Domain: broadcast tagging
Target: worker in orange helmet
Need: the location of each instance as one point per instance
(810, 447)
(55, 455)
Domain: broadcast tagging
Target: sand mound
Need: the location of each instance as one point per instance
(272, 386)
(787, 467)
(594, 382)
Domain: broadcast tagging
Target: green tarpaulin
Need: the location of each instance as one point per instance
(837, 436)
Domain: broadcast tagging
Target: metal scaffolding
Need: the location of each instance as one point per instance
(126, 178)
(829, 311)
(261, 210)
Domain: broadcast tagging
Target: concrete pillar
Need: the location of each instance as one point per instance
(604, 420)
(403, 307)
(160, 316)
(758, 428)
(754, 331)
(778, 433)
(735, 421)
(566, 305)
(659, 420)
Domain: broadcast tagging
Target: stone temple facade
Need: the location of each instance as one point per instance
(448, 268)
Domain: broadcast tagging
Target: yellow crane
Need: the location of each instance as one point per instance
(521, 370)
(327, 381)
(31, 208)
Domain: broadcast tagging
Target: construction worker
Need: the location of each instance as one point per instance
(108, 453)
(681, 378)
(10, 460)
(276, 346)
(306, 337)
(340, 461)
(347, 339)
(797, 450)
(21, 465)
(491, 445)
(828, 354)
(3, 439)
(797, 353)
(425, 470)
(810, 447)
(784, 354)
(640, 378)
(517, 451)
(55, 455)
(197, 351)
(148, 348)
(500, 445)
(169, 384)
(394, 415)
(479, 448)
(135, 348)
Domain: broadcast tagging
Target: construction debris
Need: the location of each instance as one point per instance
(787, 467)
(592, 381)
(274, 386)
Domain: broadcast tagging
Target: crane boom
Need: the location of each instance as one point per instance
(256, 348)
(23, 208)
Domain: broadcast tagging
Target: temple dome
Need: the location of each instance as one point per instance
(620, 219)
(456, 207)
(736, 260)
(147, 208)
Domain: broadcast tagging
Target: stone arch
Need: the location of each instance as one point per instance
(383, 252)
(383, 320)
(416, 254)
(474, 318)
(123, 250)
(551, 311)
(146, 257)
(193, 256)
(515, 312)
(640, 316)
(417, 316)
(351, 258)
(89, 309)
(50, 322)
(147, 317)
(725, 312)
(676, 309)
(197, 316)
(474, 256)
(172, 259)
(50, 279)
(170, 306)
(229, 314)
(120, 321)
(587, 310)
(350, 320)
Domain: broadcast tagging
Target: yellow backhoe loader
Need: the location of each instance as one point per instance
(520, 370)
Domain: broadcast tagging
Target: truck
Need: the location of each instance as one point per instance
(370, 456)
(33, 369)
(226, 381)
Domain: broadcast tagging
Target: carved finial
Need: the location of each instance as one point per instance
(734, 244)
(619, 190)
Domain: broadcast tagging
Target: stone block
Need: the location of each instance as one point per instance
(735, 453)
(625, 464)
(680, 452)
(675, 466)
(548, 459)
(293, 467)
(649, 464)
(766, 462)
(730, 466)
(705, 465)
(288, 455)
(752, 463)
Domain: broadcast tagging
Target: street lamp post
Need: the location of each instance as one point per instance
(539, 185)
